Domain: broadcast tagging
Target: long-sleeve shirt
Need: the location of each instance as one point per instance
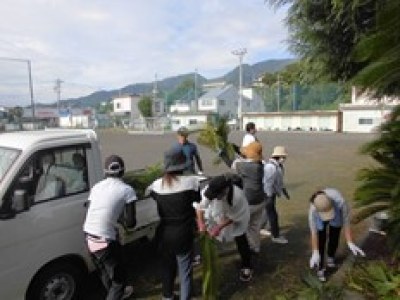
(251, 173)
(192, 156)
(273, 178)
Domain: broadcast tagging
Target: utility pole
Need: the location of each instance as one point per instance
(155, 92)
(57, 89)
(28, 62)
(240, 53)
(195, 89)
(278, 93)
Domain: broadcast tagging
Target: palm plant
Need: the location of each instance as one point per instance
(215, 136)
(380, 185)
(382, 50)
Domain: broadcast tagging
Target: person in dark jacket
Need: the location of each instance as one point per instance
(190, 151)
(174, 194)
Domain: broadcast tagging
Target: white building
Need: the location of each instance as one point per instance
(223, 100)
(295, 121)
(191, 120)
(366, 113)
(179, 107)
(127, 105)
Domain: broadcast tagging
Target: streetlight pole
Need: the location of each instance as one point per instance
(29, 77)
(240, 53)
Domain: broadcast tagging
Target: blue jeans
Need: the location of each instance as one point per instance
(182, 262)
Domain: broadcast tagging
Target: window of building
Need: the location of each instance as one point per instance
(207, 102)
(176, 122)
(365, 121)
(192, 121)
(118, 105)
(222, 102)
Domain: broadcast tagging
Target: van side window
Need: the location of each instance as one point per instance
(63, 172)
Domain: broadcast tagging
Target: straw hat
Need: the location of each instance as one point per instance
(279, 151)
(324, 207)
(252, 151)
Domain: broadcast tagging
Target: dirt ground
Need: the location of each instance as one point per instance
(315, 160)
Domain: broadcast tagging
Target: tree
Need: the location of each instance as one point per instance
(382, 50)
(16, 114)
(379, 187)
(145, 106)
(324, 33)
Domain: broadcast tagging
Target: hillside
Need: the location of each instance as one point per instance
(250, 72)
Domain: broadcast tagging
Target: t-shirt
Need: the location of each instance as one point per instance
(248, 139)
(177, 215)
(107, 201)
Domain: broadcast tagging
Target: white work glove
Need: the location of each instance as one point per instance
(315, 259)
(356, 250)
(200, 173)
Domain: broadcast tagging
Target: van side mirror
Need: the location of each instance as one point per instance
(20, 201)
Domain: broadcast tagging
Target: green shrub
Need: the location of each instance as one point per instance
(375, 280)
(141, 179)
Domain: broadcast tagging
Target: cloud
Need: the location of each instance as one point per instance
(110, 44)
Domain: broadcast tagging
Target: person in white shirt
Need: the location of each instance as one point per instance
(224, 213)
(107, 201)
(328, 211)
(250, 135)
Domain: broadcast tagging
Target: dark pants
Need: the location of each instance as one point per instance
(333, 241)
(272, 215)
(244, 250)
(109, 263)
(183, 262)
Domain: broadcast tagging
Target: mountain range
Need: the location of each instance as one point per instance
(249, 74)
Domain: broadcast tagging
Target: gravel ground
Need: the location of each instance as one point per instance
(316, 159)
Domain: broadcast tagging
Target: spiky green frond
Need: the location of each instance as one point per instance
(215, 136)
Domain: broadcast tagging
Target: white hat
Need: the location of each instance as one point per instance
(324, 207)
(279, 151)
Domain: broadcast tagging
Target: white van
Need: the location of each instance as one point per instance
(42, 194)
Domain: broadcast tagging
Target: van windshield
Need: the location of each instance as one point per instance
(7, 158)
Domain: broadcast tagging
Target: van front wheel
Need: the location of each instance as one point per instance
(59, 281)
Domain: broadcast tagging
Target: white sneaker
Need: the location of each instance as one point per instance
(127, 292)
(265, 232)
(330, 262)
(280, 240)
(321, 275)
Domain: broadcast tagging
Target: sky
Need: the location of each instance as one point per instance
(104, 45)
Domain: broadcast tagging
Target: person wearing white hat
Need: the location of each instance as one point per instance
(328, 211)
(274, 187)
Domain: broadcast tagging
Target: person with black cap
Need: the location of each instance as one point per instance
(174, 194)
(224, 213)
(191, 153)
(107, 201)
(328, 211)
